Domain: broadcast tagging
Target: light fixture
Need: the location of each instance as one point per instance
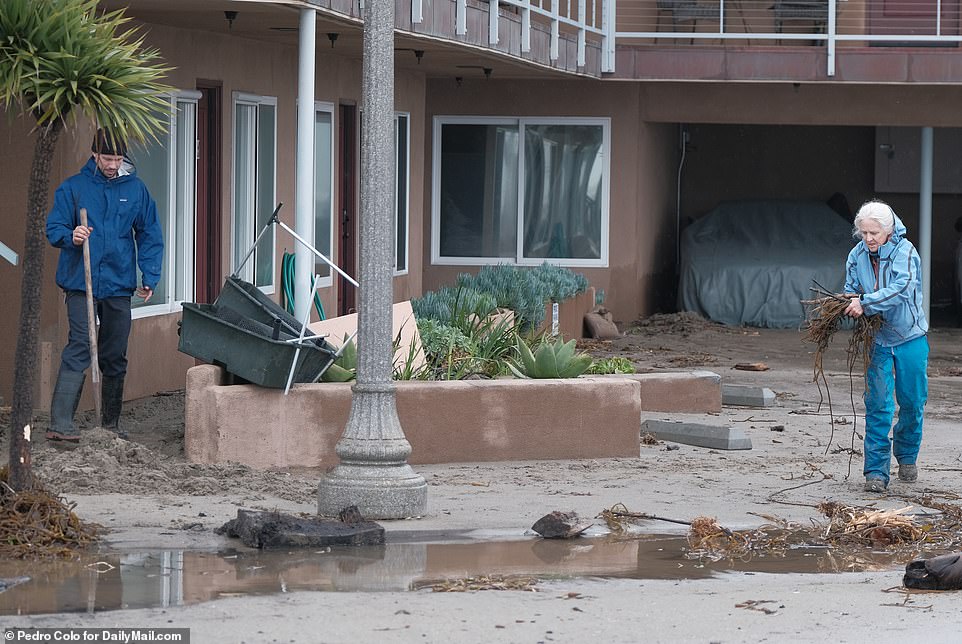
(419, 54)
(487, 72)
(231, 17)
(458, 80)
(332, 36)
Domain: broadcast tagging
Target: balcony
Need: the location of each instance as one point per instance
(871, 41)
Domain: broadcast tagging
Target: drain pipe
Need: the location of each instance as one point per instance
(925, 217)
(685, 137)
(304, 169)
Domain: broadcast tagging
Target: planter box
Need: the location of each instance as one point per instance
(444, 421)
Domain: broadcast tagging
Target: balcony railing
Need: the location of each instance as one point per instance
(833, 24)
(585, 20)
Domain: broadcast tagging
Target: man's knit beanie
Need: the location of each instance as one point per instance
(106, 142)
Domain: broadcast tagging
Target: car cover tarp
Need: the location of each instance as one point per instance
(752, 263)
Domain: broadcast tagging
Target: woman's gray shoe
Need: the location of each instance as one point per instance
(875, 484)
(909, 473)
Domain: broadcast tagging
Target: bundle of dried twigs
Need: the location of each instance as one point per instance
(825, 316)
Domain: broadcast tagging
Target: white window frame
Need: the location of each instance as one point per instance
(183, 207)
(328, 108)
(407, 193)
(248, 274)
(518, 259)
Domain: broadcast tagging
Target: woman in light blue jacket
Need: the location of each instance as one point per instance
(883, 276)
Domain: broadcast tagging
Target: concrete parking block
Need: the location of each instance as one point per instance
(697, 434)
(747, 396)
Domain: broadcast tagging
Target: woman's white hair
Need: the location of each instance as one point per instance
(879, 212)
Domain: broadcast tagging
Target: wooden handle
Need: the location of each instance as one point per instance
(91, 320)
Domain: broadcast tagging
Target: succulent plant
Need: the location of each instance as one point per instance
(552, 359)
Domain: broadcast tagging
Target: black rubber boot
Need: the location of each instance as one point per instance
(63, 406)
(112, 391)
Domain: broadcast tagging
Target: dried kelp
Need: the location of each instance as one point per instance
(34, 524)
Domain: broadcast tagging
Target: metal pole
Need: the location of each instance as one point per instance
(373, 473)
(304, 173)
(925, 217)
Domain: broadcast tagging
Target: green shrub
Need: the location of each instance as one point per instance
(344, 368)
(611, 365)
(452, 304)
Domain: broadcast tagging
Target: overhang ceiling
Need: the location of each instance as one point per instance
(274, 21)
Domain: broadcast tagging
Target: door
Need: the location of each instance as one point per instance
(208, 234)
(347, 156)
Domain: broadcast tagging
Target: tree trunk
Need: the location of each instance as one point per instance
(31, 285)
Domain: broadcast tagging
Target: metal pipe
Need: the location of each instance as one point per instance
(925, 217)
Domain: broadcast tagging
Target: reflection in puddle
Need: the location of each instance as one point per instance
(101, 582)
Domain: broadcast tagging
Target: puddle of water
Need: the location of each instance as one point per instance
(112, 581)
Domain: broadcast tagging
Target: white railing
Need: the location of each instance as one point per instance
(822, 23)
(584, 18)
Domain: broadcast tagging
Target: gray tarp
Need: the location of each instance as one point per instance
(752, 262)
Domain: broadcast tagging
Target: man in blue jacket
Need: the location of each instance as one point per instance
(123, 232)
(883, 276)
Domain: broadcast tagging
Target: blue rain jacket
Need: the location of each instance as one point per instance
(898, 297)
(126, 233)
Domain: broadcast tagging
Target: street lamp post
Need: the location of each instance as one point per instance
(373, 473)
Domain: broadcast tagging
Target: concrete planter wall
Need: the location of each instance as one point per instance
(445, 421)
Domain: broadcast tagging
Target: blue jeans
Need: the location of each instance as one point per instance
(899, 370)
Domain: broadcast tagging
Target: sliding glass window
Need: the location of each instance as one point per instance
(254, 188)
(520, 191)
(168, 167)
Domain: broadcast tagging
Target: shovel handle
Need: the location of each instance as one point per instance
(91, 318)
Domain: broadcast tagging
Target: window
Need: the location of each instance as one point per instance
(323, 189)
(520, 191)
(254, 188)
(168, 168)
(402, 137)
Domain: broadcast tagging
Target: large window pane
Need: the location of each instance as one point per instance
(185, 196)
(153, 167)
(255, 134)
(245, 137)
(563, 168)
(265, 193)
(478, 201)
(323, 188)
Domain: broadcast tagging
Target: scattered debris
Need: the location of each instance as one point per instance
(484, 582)
(647, 438)
(756, 604)
(560, 525)
(276, 530)
(938, 573)
(866, 526)
(751, 366)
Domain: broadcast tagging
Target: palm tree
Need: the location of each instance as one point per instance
(58, 59)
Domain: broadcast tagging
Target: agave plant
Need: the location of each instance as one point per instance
(552, 359)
